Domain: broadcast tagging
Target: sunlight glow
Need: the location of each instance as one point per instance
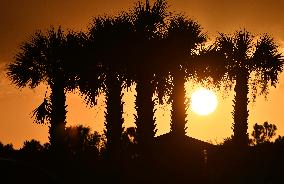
(203, 102)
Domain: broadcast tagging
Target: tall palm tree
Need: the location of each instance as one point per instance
(109, 45)
(148, 21)
(248, 63)
(183, 35)
(44, 59)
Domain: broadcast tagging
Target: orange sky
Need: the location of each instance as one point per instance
(19, 18)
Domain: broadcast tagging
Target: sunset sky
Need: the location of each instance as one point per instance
(19, 19)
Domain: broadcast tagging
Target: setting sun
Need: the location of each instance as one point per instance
(203, 101)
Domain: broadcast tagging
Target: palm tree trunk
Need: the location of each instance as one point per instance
(240, 112)
(179, 106)
(145, 119)
(113, 116)
(58, 116)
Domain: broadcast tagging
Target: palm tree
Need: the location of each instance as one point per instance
(248, 63)
(45, 59)
(108, 42)
(143, 69)
(183, 35)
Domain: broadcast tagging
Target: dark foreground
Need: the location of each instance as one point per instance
(183, 160)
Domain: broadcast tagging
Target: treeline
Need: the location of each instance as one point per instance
(85, 159)
(78, 140)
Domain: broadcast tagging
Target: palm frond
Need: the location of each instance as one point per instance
(27, 68)
(267, 64)
(42, 113)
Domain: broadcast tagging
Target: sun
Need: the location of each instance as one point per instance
(203, 101)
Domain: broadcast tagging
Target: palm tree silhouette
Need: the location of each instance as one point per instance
(258, 64)
(45, 59)
(144, 67)
(182, 37)
(109, 43)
